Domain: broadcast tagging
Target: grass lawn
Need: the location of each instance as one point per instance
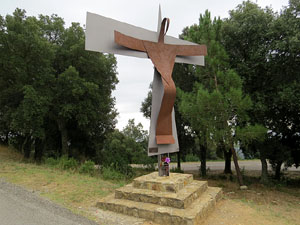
(277, 203)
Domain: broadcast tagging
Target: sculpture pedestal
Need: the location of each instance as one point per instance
(176, 199)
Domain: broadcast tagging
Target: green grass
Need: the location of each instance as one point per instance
(74, 190)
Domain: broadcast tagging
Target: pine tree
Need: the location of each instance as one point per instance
(217, 107)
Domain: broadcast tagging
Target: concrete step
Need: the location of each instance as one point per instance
(182, 199)
(192, 215)
(173, 183)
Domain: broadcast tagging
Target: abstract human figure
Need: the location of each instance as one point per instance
(163, 57)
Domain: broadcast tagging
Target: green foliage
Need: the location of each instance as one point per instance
(136, 132)
(88, 167)
(65, 163)
(191, 158)
(51, 162)
(117, 154)
(109, 173)
(264, 49)
(137, 143)
(124, 148)
(147, 104)
(55, 95)
(216, 106)
(250, 134)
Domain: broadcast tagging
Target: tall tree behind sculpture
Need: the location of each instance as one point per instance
(265, 53)
(217, 106)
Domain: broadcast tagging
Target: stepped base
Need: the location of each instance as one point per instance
(192, 215)
(174, 200)
(173, 183)
(181, 199)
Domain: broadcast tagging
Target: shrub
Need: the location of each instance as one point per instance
(87, 167)
(51, 162)
(191, 158)
(109, 173)
(66, 164)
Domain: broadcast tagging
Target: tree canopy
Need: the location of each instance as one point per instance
(55, 96)
(263, 48)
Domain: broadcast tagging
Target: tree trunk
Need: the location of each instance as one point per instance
(237, 168)
(38, 151)
(64, 137)
(278, 170)
(264, 170)
(178, 161)
(203, 148)
(26, 147)
(227, 157)
(203, 161)
(5, 142)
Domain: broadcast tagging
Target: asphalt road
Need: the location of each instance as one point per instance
(250, 165)
(21, 207)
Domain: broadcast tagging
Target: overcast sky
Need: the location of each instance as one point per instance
(134, 74)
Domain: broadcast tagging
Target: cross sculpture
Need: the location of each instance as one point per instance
(111, 36)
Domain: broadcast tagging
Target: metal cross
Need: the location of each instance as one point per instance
(111, 36)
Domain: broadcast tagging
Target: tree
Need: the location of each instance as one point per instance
(137, 141)
(126, 147)
(262, 48)
(51, 87)
(25, 61)
(116, 153)
(217, 109)
(136, 132)
(284, 111)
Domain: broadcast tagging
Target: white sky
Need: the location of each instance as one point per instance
(134, 74)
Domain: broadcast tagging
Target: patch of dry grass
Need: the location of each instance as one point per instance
(9, 154)
(277, 203)
(78, 192)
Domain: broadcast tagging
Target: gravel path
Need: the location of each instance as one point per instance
(21, 207)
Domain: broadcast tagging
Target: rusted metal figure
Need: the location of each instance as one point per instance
(163, 57)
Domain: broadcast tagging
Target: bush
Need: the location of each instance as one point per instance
(51, 162)
(67, 164)
(87, 167)
(191, 158)
(109, 173)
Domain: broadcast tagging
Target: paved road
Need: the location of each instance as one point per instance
(247, 164)
(21, 207)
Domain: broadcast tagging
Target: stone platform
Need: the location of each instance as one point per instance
(176, 200)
